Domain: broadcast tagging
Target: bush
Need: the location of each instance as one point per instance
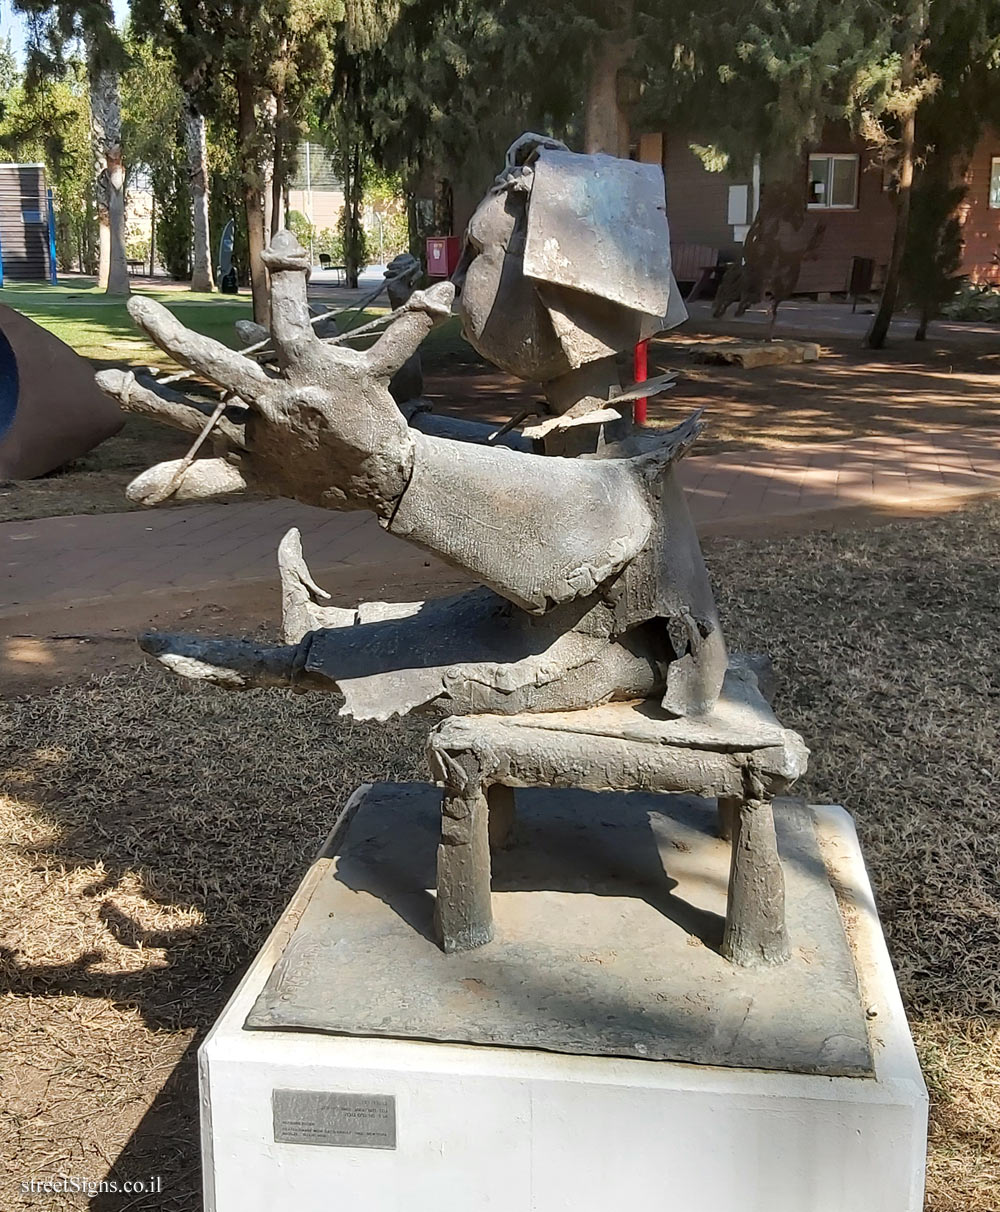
(173, 226)
(324, 240)
(975, 301)
(329, 241)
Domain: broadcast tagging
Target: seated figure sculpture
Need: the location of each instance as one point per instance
(591, 588)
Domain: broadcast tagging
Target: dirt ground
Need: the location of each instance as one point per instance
(850, 392)
(152, 833)
(96, 483)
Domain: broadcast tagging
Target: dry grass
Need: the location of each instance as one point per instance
(889, 660)
(153, 834)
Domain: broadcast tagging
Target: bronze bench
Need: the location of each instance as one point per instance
(738, 754)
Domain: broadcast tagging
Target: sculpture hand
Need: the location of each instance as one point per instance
(326, 431)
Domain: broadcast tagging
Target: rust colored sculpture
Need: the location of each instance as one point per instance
(50, 410)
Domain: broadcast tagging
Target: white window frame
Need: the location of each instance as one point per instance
(993, 193)
(830, 157)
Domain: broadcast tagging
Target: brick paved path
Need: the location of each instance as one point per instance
(58, 560)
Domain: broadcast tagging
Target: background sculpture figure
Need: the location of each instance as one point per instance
(773, 253)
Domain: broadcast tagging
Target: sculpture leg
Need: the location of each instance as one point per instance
(755, 932)
(502, 815)
(464, 912)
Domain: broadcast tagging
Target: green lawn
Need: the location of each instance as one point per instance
(99, 328)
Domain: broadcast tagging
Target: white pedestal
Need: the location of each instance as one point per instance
(527, 1131)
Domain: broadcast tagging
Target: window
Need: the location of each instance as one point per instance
(995, 183)
(833, 182)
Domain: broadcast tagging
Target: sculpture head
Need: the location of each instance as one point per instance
(566, 261)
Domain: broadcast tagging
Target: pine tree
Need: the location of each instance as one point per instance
(939, 92)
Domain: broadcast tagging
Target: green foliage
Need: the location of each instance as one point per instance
(449, 81)
(137, 242)
(9, 74)
(321, 240)
(173, 227)
(300, 227)
(761, 78)
(151, 102)
(354, 243)
(153, 139)
(331, 243)
(50, 123)
(975, 301)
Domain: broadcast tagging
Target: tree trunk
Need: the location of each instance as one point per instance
(197, 158)
(353, 189)
(278, 173)
(106, 126)
(88, 253)
(118, 283)
(253, 197)
(925, 319)
(890, 290)
(414, 239)
(606, 122)
(103, 229)
(444, 208)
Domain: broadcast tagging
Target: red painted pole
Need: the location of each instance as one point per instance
(640, 374)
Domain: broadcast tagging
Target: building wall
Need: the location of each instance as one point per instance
(697, 208)
(24, 223)
(699, 212)
(865, 231)
(697, 200)
(326, 207)
(980, 223)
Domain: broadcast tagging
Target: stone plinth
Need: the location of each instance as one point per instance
(361, 1117)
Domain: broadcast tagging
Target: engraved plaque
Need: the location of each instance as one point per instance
(316, 1117)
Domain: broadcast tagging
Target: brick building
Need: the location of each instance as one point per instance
(846, 190)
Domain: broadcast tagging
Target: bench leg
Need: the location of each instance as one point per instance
(503, 813)
(463, 913)
(729, 815)
(755, 931)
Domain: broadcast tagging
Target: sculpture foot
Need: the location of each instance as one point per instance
(300, 608)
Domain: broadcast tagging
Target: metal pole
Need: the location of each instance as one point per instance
(640, 366)
(53, 279)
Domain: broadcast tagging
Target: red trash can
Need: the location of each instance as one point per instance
(442, 255)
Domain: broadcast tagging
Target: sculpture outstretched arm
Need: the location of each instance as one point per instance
(242, 377)
(327, 432)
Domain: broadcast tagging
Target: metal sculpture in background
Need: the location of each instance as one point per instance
(226, 271)
(590, 652)
(776, 246)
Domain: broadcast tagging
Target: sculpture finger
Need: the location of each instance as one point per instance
(162, 404)
(250, 333)
(403, 337)
(199, 481)
(208, 357)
